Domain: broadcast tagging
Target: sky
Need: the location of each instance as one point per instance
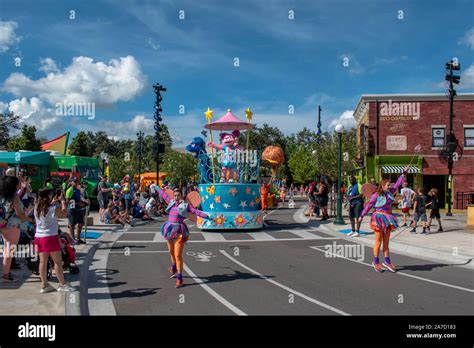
(281, 58)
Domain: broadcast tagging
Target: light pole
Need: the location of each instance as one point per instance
(339, 220)
(452, 65)
(157, 116)
(140, 135)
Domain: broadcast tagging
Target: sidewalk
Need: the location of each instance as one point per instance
(24, 298)
(455, 245)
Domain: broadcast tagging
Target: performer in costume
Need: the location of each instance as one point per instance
(264, 191)
(229, 146)
(175, 230)
(383, 221)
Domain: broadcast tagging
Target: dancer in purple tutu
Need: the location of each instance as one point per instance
(383, 221)
(175, 230)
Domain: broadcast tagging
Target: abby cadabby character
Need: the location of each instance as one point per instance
(229, 144)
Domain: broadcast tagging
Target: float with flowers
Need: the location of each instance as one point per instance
(229, 180)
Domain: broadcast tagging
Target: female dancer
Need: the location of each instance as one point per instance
(175, 230)
(383, 221)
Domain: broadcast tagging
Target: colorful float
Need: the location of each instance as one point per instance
(229, 180)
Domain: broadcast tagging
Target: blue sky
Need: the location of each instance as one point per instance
(113, 51)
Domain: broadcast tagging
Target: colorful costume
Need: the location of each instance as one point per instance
(175, 228)
(382, 219)
(229, 146)
(264, 191)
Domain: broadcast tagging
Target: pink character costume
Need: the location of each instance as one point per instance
(382, 219)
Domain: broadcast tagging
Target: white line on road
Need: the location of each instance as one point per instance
(234, 240)
(297, 293)
(213, 293)
(138, 252)
(213, 237)
(400, 273)
(261, 236)
(158, 237)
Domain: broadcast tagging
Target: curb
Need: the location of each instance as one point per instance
(460, 260)
(76, 303)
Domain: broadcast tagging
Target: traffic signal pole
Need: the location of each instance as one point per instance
(158, 109)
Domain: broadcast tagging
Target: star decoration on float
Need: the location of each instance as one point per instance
(243, 204)
(208, 114)
(226, 205)
(200, 189)
(211, 206)
(248, 114)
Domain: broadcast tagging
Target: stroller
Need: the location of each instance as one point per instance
(68, 253)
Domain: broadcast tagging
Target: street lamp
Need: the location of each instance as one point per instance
(140, 135)
(339, 220)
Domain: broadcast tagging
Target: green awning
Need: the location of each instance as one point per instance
(399, 169)
(40, 158)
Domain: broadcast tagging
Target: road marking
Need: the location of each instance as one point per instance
(314, 237)
(400, 273)
(158, 237)
(299, 217)
(271, 212)
(213, 237)
(261, 236)
(305, 235)
(130, 252)
(290, 290)
(213, 293)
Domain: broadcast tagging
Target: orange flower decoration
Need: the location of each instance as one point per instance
(217, 199)
(259, 219)
(200, 221)
(220, 220)
(233, 191)
(257, 200)
(248, 190)
(240, 220)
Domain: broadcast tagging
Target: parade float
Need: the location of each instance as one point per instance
(229, 176)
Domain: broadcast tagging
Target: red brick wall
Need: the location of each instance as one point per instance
(419, 132)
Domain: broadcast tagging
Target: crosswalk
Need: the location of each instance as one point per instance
(222, 237)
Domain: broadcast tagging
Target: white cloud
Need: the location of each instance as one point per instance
(127, 129)
(346, 119)
(8, 36)
(48, 65)
(468, 38)
(467, 78)
(33, 112)
(83, 81)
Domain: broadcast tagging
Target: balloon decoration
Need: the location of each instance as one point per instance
(275, 156)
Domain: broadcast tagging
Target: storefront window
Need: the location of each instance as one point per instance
(439, 137)
(469, 137)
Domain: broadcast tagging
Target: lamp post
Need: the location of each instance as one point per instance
(157, 116)
(339, 220)
(451, 66)
(140, 135)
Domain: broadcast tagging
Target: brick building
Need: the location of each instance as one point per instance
(393, 128)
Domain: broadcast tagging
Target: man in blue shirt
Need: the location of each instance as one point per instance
(356, 204)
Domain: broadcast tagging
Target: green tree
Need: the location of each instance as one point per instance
(8, 120)
(180, 167)
(81, 145)
(26, 140)
(302, 165)
(119, 167)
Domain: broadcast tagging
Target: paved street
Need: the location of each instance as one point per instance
(288, 268)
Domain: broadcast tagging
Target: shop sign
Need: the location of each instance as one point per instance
(397, 142)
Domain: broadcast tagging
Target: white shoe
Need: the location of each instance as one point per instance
(47, 289)
(66, 288)
(355, 234)
(350, 234)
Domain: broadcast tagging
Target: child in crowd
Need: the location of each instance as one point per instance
(434, 205)
(420, 211)
(407, 196)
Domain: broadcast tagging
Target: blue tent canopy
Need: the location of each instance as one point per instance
(40, 158)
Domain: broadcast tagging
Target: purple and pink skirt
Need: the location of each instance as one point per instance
(383, 221)
(173, 231)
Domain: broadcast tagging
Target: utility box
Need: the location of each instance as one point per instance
(470, 217)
